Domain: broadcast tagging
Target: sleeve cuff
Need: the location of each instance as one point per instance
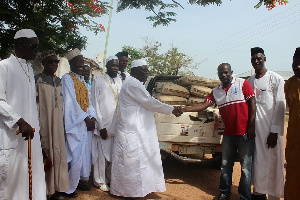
(12, 124)
(170, 110)
(276, 129)
(210, 101)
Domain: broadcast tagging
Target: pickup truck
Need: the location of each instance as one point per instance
(194, 137)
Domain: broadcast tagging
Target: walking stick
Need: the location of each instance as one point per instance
(29, 164)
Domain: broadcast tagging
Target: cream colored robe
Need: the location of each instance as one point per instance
(50, 107)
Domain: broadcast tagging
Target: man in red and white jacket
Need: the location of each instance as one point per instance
(236, 102)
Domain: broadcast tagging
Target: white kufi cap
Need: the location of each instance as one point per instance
(25, 33)
(138, 63)
(72, 54)
(111, 58)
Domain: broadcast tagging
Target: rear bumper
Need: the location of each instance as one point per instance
(213, 161)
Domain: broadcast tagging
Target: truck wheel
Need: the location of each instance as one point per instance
(218, 157)
(217, 154)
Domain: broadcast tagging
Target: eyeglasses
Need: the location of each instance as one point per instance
(144, 69)
(33, 46)
(50, 61)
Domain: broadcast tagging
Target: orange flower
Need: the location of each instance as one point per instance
(102, 27)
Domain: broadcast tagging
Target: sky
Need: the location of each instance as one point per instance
(211, 35)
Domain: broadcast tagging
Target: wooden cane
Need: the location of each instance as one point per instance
(29, 164)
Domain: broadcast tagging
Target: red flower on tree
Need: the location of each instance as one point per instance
(102, 27)
(270, 4)
(69, 4)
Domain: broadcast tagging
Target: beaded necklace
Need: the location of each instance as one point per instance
(26, 71)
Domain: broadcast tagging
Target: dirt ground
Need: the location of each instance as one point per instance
(183, 182)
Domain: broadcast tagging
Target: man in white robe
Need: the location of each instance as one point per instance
(18, 110)
(106, 90)
(268, 165)
(80, 121)
(136, 161)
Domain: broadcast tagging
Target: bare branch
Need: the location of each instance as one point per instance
(178, 4)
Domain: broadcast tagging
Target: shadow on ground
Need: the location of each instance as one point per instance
(204, 177)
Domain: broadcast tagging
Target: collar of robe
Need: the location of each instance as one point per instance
(24, 65)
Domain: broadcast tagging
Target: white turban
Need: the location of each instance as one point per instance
(111, 58)
(138, 63)
(72, 54)
(25, 33)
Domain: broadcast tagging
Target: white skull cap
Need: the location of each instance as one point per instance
(111, 58)
(25, 33)
(72, 54)
(138, 63)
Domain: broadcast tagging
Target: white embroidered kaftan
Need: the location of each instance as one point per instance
(268, 165)
(105, 98)
(78, 139)
(136, 162)
(18, 100)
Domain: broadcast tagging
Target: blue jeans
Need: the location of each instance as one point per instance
(230, 146)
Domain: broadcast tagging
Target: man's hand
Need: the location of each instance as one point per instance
(272, 140)
(251, 133)
(94, 120)
(177, 111)
(25, 128)
(103, 133)
(251, 118)
(90, 123)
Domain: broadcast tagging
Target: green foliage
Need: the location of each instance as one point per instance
(178, 63)
(173, 62)
(161, 17)
(55, 22)
(133, 54)
(205, 2)
(164, 17)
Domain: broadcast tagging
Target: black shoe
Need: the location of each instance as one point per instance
(221, 197)
(53, 197)
(71, 196)
(83, 187)
(259, 197)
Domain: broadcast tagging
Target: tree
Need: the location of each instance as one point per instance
(177, 63)
(162, 17)
(56, 22)
(133, 53)
(173, 62)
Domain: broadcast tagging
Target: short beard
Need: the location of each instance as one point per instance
(112, 75)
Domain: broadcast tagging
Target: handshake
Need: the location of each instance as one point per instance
(178, 110)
